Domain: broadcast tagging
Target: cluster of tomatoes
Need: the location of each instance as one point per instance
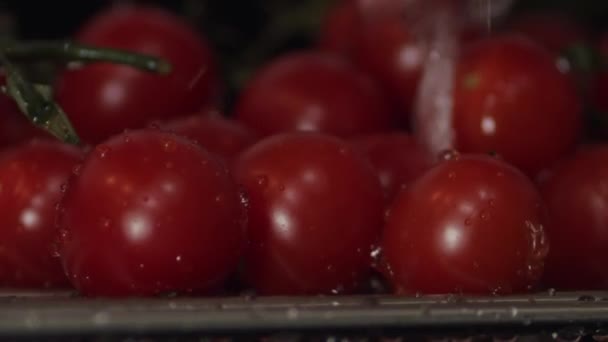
(314, 186)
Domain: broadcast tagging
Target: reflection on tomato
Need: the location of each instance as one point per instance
(150, 213)
(103, 99)
(315, 212)
(31, 179)
(511, 99)
(576, 193)
(313, 91)
(472, 224)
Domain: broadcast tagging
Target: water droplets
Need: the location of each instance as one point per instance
(169, 145)
(484, 215)
(63, 187)
(468, 221)
(448, 155)
(539, 248)
(262, 181)
(77, 169)
(106, 222)
(102, 151)
(178, 258)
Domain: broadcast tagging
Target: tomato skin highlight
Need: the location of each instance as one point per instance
(313, 91)
(576, 195)
(511, 99)
(32, 176)
(315, 213)
(150, 213)
(103, 99)
(471, 225)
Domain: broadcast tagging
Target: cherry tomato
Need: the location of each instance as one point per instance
(103, 99)
(390, 51)
(223, 137)
(150, 213)
(31, 179)
(510, 98)
(397, 158)
(471, 225)
(576, 193)
(313, 91)
(315, 212)
(555, 31)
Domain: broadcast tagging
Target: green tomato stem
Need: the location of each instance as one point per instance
(66, 51)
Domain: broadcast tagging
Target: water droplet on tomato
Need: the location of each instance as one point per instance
(76, 169)
(126, 138)
(169, 145)
(492, 203)
(219, 198)
(484, 215)
(154, 125)
(452, 175)
(468, 222)
(178, 258)
(448, 155)
(262, 181)
(102, 150)
(63, 187)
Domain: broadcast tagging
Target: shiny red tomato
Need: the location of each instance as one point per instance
(471, 225)
(31, 179)
(576, 193)
(313, 91)
(315, 212)
(223, 137)
(104, 99)
(150, 213)
(397, 158)
(391, 52)
(510, 98)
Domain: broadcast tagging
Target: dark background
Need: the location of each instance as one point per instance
(244, 33)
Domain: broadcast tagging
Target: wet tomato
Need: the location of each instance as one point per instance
(315, 212)
(313, 91)
(397, 158)
(472, 224)
(103, 99)
(510, 98)
(150, 213)
(576, 193)
(31, 180)
(224, 137)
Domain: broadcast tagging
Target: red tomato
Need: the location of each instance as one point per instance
(313, 91)
(150, 213)
(391, 52)
(315, 212)
(224, 137)
(510, 98)
(555, 31)
(576, 193)
(31, 179)
(103, 99)
(471, 225)
(397, 158)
